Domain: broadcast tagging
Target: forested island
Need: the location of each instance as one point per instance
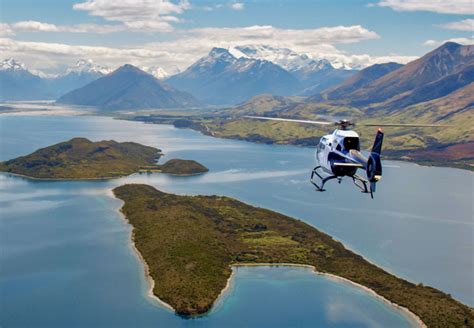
(80, 158)
(189, 244)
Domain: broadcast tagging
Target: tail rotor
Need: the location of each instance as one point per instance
(374, 163)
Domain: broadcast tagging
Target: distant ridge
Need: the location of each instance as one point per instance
(128, 87)
(18, 83)
(221, 78)
(313, 75)
(361, 79)
(445, 69)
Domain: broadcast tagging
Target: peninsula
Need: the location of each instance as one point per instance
(189, 244)
(80, 158)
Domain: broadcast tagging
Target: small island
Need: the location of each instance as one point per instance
(80, 158)
(190, 243)
(177, 167)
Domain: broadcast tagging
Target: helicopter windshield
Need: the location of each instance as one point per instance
(351, 143)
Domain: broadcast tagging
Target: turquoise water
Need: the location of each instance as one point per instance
(66, 260)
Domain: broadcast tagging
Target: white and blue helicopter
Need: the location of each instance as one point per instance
(338, 154)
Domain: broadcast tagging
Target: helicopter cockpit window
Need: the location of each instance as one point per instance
(351, 143)
(338, 147)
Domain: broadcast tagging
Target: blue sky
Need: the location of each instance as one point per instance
(51, 34)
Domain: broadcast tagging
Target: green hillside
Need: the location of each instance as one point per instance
(80, 158)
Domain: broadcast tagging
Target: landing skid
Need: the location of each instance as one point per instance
(361, 183)
(318, 181)
(322, 181)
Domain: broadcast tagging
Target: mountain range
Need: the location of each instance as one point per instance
(431, 76)
(313, 75)
(221, 78)
(436, 88)
(17, 82)
(128, 87)
(231, 76)
(224, 76)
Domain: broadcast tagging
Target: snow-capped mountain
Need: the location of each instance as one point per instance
(314, 75)
(18, 83)
(338, 64)
(222, 78)
(82, 73)
(128, 87)
(283, 57)
(11, 64)
(156, 71)
(83, 66)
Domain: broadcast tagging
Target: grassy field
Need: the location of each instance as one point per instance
(190, 242)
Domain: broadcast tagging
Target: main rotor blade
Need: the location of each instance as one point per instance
(407, 125)
(289, 120)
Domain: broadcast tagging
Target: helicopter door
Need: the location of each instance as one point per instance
(321, 150)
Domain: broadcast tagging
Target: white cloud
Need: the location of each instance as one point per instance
(5, 30)
(35, 26)
(216, 6)
(463, 25)
(28, 26)
(237, 6)
(295, 37)
(361, 61)
(435, 43)
(153, 15)
(460, 7)
(52, 56)
(92, 28)
(188, 45)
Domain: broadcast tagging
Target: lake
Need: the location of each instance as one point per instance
(66, 258)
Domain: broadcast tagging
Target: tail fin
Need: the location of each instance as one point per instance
(377, 147)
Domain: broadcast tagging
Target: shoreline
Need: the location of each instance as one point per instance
(146, 269)
(425, 163)
(93, 179)
(149, 279)
(64, 179)
(412, 317)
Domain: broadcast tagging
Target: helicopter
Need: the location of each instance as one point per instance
(338, 154)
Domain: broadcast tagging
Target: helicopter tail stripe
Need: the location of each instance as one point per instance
(377, 147)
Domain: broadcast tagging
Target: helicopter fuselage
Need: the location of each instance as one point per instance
(338, 155)
(336, 151)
